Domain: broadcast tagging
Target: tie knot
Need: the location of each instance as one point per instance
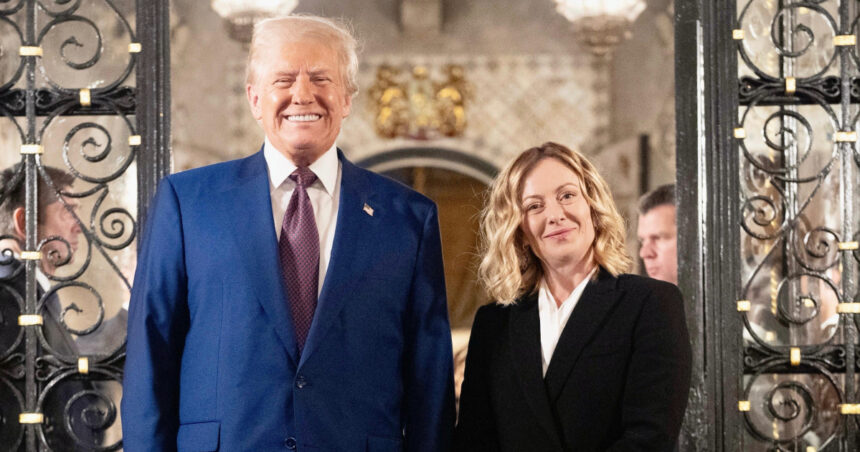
(303, 176)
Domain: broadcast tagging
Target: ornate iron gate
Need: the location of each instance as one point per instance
(84, 108)
(767, 138)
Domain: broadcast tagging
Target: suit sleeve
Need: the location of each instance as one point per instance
(428, 359)
(476, 427)
(658, 379)
(158, 320)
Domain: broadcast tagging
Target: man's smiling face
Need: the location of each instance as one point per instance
(299, 98)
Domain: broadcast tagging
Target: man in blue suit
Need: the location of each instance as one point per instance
(290, 300)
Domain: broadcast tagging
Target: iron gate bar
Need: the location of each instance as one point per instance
(847, 184)
(31, 203)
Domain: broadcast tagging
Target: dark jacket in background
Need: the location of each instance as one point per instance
(58, 391)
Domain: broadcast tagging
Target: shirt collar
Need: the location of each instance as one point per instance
(545, 296)
(280, 167)
(43, 280)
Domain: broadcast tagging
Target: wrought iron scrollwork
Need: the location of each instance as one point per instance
(78, 101)
(797, 83)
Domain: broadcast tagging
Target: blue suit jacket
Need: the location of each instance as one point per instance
(212, 358)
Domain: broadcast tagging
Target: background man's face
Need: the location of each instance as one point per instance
(299, 98)
(657, 233)
(58, 221)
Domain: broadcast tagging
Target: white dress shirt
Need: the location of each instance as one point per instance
(553, 318)
(324, 194)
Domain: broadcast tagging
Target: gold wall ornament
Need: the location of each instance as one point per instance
(392, 105)
(450, 102)
(414, 106)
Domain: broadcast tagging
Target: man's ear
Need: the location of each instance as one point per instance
(20, 218)
(254, 100)
(347, 106)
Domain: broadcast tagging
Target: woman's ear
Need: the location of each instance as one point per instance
(19, 216)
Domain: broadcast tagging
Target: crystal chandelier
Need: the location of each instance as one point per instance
(600, 24)
(241, 15)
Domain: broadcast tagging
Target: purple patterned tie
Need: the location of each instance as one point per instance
(299, 249)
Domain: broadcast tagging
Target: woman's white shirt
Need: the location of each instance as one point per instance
(553, 318)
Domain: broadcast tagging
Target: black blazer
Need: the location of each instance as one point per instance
(618, 379)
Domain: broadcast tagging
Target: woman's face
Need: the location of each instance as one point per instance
(556, 217)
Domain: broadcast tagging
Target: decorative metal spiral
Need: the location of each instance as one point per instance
(75, 307)
(117, 224)
(801, 34)
(96, 147)
(802, 307)
(83, 409)
(788, 135)
(762, 217)
(818, 251)
(792, 406)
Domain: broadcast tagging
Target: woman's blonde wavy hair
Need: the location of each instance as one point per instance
(508, 268)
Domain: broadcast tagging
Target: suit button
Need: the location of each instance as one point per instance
(290, 443)
(301, 382)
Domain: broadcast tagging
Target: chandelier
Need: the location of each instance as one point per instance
(600, 24)
(241, 15)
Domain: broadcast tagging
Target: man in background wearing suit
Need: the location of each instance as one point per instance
(290, 300)
(658, 233)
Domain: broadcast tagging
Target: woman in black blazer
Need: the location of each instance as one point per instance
(605, 368)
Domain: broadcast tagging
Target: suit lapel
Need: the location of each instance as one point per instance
(598, 300)
(258, 244)
(524, 337)
(353, 236)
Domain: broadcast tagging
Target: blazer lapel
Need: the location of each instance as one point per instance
(353, 236)
(524, 337)
(258, 245)
(598, 299)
